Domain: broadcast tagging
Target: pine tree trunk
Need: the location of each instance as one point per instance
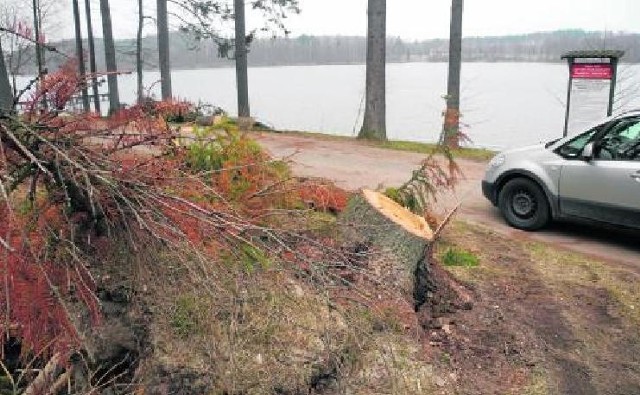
(92, 57)
(163, 50)
(43, 53)
(398, 239)
(242, 79)
(80, 54)
(374, 124)
(36, 27)
(110, 56)
(6, 95)
(37, 24)
(139, 52)
(451, 127)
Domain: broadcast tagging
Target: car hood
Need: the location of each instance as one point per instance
(523, 157)
(531, 149)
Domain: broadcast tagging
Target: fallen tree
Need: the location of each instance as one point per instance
(398, 240)
(94, 209)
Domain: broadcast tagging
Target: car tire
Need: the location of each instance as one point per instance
(524, 205)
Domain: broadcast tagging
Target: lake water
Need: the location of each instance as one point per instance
(503, 104)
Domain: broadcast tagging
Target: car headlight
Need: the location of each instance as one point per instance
(497, 161)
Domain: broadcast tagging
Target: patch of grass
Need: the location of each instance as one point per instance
(184, 319)
(228, 124)
(445, 358)
(538, 383)
(253, 258)
(322, 224)
(461, 235)
(477, 154)
(280, 168)
(458, 257)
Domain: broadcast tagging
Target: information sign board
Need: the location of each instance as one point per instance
(590, 91)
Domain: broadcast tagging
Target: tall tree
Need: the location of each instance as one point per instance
(80, 53)
(139, 74)
(451, 127)
(374, 124)
(6, 95)
(37, 24)
(242, 79)
(163, 50)
(92, 57)
(110, 56)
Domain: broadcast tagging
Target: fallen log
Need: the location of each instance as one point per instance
(397, 238)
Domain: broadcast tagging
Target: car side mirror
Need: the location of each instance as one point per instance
(588, 152)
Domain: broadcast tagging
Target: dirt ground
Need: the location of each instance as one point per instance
(555, 312)
(544, 321)
(353, 165)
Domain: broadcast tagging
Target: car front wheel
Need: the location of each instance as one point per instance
(524, 205)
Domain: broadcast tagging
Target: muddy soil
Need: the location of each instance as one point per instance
(529, 334)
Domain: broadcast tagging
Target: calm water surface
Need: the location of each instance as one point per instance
(503, 104)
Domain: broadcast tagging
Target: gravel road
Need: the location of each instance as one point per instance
(354, 165)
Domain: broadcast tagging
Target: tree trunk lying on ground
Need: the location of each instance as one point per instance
(397, 237)
(400, 245)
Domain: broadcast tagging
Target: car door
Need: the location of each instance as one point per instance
(607, 187)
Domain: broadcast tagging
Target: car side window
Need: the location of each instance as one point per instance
(573, 148)
(621, 142)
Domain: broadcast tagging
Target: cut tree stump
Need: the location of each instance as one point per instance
(398, 239)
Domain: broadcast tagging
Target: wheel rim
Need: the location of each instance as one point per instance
(523, 204)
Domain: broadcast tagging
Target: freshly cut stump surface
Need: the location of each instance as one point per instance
(393, 230)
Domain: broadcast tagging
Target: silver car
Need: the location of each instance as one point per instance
(594, 175)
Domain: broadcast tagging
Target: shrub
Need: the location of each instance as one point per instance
(323, 196)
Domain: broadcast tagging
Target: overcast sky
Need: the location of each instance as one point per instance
(424, 19)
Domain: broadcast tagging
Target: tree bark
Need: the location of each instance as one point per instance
(92, 57)
(6, 95)
(37, 24)
(374, 124)
(43, 57)
(451, 127)
(110, 56)
(163, 50)
(139, 52)
(242, 79)
(399, 240)
(80, 54)
(36, 27)
(40, 61)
